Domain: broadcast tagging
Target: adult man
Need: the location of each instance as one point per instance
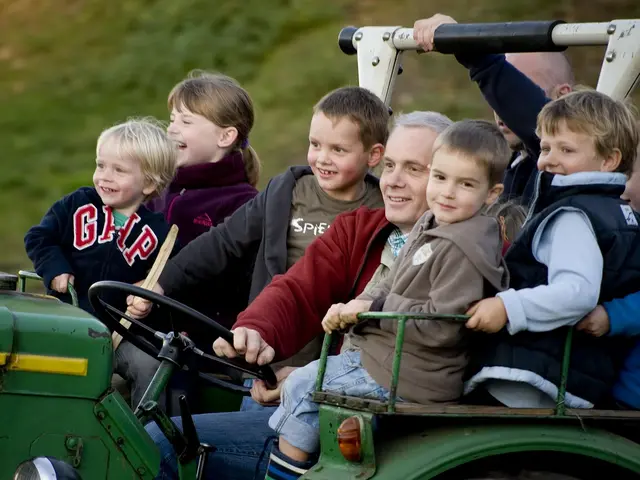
(354, 253)
(505, 82)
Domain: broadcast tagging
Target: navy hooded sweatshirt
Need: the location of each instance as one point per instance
(78, 236)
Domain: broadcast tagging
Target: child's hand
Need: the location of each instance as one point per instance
(331, 320)
(340, 315)
(596, 323)
(61, 282)
(488, 315)
(424, 30)
(139, 307)
(262, 395)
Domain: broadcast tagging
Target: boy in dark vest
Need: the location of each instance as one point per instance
(579, 246)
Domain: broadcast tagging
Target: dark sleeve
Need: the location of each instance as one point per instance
(209, 254)
(288, 312)
(43, 242)
(514, 98)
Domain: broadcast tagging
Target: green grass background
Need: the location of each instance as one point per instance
(69, 68)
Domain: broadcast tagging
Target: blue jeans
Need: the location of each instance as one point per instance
(296, 419)
(242, 441)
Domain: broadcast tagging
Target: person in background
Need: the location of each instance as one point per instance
(516, 86)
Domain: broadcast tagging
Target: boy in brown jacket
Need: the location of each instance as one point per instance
(452, 259)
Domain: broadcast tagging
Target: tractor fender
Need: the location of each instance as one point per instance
(428, 454)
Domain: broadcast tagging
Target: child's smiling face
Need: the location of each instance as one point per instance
(119, 181)
(458, 187)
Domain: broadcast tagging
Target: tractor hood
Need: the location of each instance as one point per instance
(51, 348)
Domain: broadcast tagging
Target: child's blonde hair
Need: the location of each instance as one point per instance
(221, 100)
(145, 141)
(611, 123)
(479, 140)
(510, 216)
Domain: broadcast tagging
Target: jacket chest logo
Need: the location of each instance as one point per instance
(204, 220)
(629, 215)
(85, 233)
(422, 255)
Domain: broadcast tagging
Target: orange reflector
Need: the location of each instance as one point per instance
(349, 439)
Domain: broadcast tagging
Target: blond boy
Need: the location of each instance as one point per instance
(105, 232)
(579, 247)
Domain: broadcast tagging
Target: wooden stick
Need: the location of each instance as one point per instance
(152, 277)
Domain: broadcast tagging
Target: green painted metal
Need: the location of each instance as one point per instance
(397, 354)
(443, 317)
(43, 326)
(322, 363)
(187, 471)
(24, 275)
(332, 465)
(426, 454)
(129, 435)
(561, 408)
(397, 360)
(74, 294)
(42, 425)
(72, 415)
(212, 399)
(6, 330)
(158, 384)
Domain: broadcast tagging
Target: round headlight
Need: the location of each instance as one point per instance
(45, 468)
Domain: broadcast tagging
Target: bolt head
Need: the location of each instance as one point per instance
(610, 57)
(386, 36)
(358, 36)
(375, 61)
(611, 28)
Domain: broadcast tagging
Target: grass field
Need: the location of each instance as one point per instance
(69, 68)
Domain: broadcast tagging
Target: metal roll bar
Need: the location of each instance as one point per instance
(379, 49)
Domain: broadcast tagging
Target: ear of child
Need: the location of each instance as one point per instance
(494, 193)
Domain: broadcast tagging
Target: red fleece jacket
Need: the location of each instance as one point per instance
(334, 269)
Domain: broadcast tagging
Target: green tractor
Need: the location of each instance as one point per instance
(62, 419)
(61, 412)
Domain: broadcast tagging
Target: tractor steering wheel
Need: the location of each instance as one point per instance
(146, 338)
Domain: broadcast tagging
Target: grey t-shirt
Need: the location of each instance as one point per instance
(313, 211)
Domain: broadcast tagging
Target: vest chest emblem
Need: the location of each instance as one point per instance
(629, 215)
(422, 255)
